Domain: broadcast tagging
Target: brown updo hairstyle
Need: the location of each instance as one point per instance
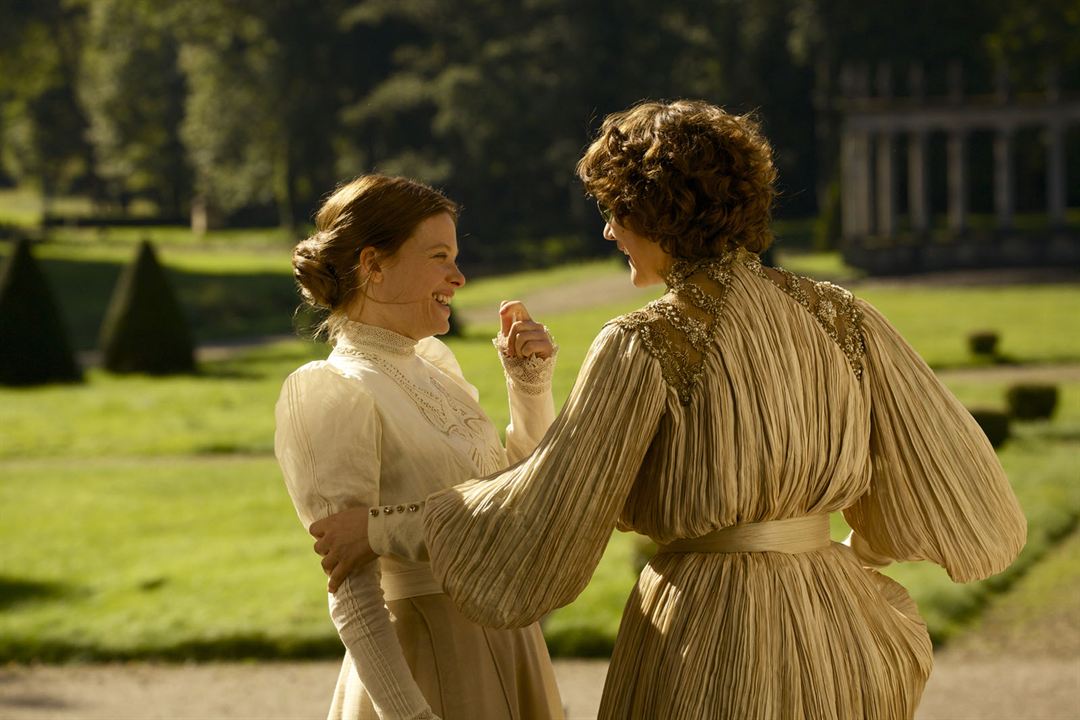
(376, 211)
(687, 175)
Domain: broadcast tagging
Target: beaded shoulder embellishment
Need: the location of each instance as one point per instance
(678, 328)
(831, 305)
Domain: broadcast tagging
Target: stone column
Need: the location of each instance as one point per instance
(1004, 182)
(956, 153)
(886, 183)
(919, 181)
(855, 183)
(1055, 174)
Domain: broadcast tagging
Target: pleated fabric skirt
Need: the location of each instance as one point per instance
(466, 671)
(767, 636)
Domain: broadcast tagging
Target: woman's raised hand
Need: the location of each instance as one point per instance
(524, 336)
(342, 541)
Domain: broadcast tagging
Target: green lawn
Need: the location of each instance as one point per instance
(146, 517)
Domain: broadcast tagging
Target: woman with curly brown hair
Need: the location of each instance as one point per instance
(726, 421)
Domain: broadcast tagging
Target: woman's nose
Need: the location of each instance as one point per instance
(457, 278)
(609, 234)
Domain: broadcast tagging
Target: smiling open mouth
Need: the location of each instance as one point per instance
(441, 299)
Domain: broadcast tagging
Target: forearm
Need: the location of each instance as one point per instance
(363, 623)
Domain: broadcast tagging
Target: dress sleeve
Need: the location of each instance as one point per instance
(514, 546)
(327, 442)
(937, 490)
(532, 407)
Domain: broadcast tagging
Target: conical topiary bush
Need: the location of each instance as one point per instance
(145, 330)
(34, 347)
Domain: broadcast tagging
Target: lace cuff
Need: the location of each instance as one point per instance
(531, 375)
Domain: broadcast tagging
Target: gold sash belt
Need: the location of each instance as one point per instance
(793, 535)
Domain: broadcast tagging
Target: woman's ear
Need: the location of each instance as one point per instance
(369, 264)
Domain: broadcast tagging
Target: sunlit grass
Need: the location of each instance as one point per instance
(145, 516)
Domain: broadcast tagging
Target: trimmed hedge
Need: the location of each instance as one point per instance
(34, 347)
(984, 343)
(1032, 401)
(145, 330)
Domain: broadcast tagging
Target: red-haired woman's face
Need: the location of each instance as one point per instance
(648, 261)
(410, 293)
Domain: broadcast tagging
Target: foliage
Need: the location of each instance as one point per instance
(145, 330)
(1032, 401)
(983, 342)
(264, 88)
(255, 110)
(34, 348)
(134, 93)
(42, 122)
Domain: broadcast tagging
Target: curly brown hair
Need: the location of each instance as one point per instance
(688, 175)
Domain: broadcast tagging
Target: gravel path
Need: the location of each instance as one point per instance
(984, 690)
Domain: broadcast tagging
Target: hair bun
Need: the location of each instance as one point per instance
(319, 284)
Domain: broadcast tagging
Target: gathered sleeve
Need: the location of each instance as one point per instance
(532, 410)
(516, 545)
(327, 441)
(937, 490)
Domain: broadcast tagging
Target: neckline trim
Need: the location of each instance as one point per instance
(360, 336)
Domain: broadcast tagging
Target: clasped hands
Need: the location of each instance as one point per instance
(341, 539)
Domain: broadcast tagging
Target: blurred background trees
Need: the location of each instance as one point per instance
(242, 112)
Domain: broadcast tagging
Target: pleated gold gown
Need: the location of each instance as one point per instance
(744, 395)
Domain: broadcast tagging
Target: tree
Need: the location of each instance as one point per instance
(44, 122)
(134, 93)
(263, 97)
(34, 347)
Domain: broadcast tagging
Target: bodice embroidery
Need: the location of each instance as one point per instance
(678, 328)
(446, 412)
(832, 306)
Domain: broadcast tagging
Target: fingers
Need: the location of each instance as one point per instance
(322, 546)
(329, 562)
(528, 338)
(510, 312)
(318, 528)
(337, 576)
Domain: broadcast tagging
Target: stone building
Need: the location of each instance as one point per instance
(885, 158)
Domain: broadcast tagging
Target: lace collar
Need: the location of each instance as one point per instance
(355, 336)
(681, 269)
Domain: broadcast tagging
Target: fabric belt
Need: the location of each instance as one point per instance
(792, 535)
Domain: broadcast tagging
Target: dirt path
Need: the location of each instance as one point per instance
(1001, 689)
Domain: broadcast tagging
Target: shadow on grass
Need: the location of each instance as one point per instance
(232, 647)
(15, 591)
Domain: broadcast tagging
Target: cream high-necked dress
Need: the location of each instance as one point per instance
(383, 421)
(742, 397)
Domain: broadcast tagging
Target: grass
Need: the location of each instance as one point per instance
(145, 517)
(1036, 323)
(142, 547)
(165, 557)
